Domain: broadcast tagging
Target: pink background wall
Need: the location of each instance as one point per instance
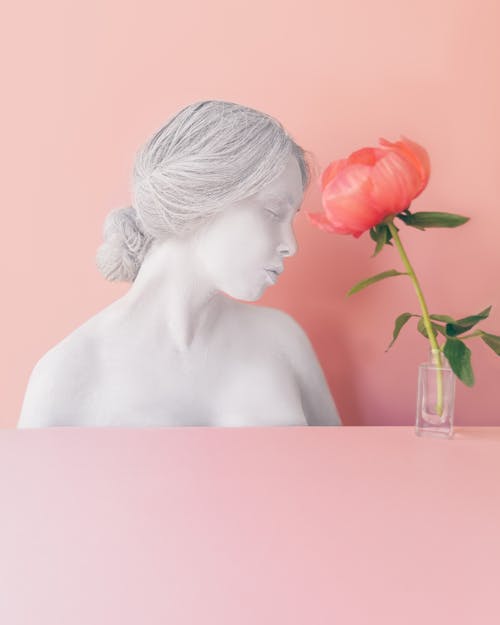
(85, 84)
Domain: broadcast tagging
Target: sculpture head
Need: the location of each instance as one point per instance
(225, 180)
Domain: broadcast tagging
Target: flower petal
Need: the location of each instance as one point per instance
(415, 154)
(347, 200)
(331, 171)
(322, 221)
(365, 156)
(349, 180)
(395, 183)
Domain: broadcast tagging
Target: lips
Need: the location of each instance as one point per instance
(272, 275)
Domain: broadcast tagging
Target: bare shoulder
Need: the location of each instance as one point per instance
(282, 328)
(286, 334)
(58, 381)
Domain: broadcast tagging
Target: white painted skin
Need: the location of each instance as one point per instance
(183, 347)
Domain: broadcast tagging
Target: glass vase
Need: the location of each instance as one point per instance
(435, 397)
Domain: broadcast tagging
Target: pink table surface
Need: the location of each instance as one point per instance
(314, 525)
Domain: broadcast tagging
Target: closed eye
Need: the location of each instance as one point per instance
(275, 215)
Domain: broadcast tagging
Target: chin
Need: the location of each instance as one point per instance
(247, 295)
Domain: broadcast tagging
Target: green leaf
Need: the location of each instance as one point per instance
(440, 329)
(443, 318)
(378, 248)
(380, 276)
(381, 240)
(382, 236)
(492, 341)
(400, 321)
(458, 355)
(389, 233)
(460, 326)
(406, 216)
(421, 328)
(435, 326)
(473, 319)
(426, 219)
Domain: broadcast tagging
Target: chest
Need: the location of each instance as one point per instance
(227, 387)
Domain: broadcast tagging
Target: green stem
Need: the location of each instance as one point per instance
(425, 313)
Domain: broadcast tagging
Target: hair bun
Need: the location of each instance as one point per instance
(125, 244)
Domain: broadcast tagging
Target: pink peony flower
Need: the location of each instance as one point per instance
(360, 191)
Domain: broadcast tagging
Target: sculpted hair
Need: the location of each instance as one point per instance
(209, 155)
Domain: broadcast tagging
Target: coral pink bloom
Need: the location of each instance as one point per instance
(360, 191)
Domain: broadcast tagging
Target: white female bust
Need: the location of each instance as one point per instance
(215, 194)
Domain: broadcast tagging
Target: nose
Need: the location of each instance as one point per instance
(288, 247)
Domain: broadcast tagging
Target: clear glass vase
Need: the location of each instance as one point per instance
(435, 397)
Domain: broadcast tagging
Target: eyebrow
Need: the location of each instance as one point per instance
(286, 199)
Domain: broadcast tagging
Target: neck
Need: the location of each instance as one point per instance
(173, 293)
